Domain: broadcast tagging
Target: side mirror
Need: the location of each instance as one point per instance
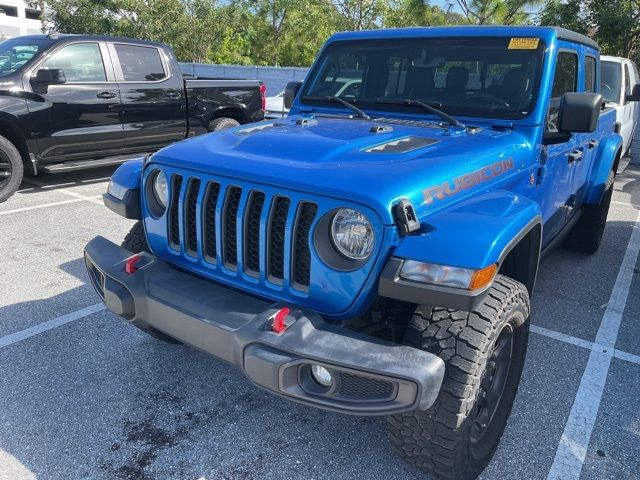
(44, 76)
(579, 112)
(635, 94)
(290, 92)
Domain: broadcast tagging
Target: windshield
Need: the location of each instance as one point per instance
(611, 81)
(16, 52)
(475, 77)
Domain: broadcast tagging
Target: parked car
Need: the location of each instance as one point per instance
(619, 77)
(377, 257)
(77, 101)
(275, 106)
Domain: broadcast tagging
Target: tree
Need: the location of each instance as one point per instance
(406, 13)
(506, 12)
(359, 14)
(571, 14)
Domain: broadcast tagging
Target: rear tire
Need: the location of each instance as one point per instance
(136, 242)
(11, 169)
(484, 352)
(222, 123)
(586, 234)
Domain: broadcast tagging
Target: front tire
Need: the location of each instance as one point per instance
(136, 242)
(484, 352)
(586, 234)
(11, 169)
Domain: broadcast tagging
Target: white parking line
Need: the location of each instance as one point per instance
(579, 342)
(626, 203)
(50, 324)
(64, 191)
(572, 449)
(43, 205)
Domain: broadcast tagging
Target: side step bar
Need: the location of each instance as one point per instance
(85, 164)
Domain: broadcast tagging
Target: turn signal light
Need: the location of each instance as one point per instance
(482, 278)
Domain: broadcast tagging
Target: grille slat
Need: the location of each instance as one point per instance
(230, 223)
(252, 234)
(190, 227)
(173, 222)
(301, 262)
(277, 229)
(209, 220)
(263, 235)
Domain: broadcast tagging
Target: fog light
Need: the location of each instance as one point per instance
(321, 375)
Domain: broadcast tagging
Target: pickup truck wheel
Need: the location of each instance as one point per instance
(11, 169)
(586, 234)
(484, 352)
(222, 123)
(136, 242)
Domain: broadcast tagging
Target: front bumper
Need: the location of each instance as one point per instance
(371, 377)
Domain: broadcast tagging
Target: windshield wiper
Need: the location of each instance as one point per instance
(425, 106)
(331, 99)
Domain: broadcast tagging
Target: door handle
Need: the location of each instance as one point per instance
(592, 144)
(106, 95)
(576, 155)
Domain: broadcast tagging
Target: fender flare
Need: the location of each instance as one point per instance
(605, 160)
(127, 180)
(473, 234)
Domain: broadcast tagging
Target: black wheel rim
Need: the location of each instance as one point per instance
(6, 170)
(493, 384)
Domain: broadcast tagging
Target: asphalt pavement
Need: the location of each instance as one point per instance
(85, 396)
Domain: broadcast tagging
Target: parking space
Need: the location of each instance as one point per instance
(83, 395)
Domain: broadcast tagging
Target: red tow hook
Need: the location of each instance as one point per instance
(278, 325)
(130, 264)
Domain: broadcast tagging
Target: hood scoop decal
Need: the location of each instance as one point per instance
(402, 145)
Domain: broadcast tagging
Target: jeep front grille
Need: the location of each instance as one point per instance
(242, 229)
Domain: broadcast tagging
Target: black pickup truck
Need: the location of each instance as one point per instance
(77, 101)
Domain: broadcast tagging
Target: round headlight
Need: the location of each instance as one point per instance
(161, 189)
(352, 234)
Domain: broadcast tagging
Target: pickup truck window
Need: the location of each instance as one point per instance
(565, 80)
(140, 64)
(611, 81)
(16, 52)
(483, 77)
(80, 62)
(590, 75)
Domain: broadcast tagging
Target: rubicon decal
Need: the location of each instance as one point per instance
(467, 181)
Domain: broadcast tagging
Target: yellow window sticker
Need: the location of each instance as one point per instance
(523, 43)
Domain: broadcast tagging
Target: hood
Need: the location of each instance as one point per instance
(375, 163)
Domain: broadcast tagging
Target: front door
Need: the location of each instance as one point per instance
(153, 104)
(79, 119)
(558, 159)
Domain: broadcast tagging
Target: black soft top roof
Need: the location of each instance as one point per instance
(570, 35)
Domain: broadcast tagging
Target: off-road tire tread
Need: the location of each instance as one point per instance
(434, 440)
(586, 234)
(136, 240)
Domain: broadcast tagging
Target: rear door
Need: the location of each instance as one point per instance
(628, 108)
(152, 94)
(79, 119)
(557, 192)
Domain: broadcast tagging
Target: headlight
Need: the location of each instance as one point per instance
(161, 189)
(352, 234)
(456, 277)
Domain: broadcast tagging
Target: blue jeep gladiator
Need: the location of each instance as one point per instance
(374, 253)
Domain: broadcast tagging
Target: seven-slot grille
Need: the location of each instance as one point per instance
(225, 234)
